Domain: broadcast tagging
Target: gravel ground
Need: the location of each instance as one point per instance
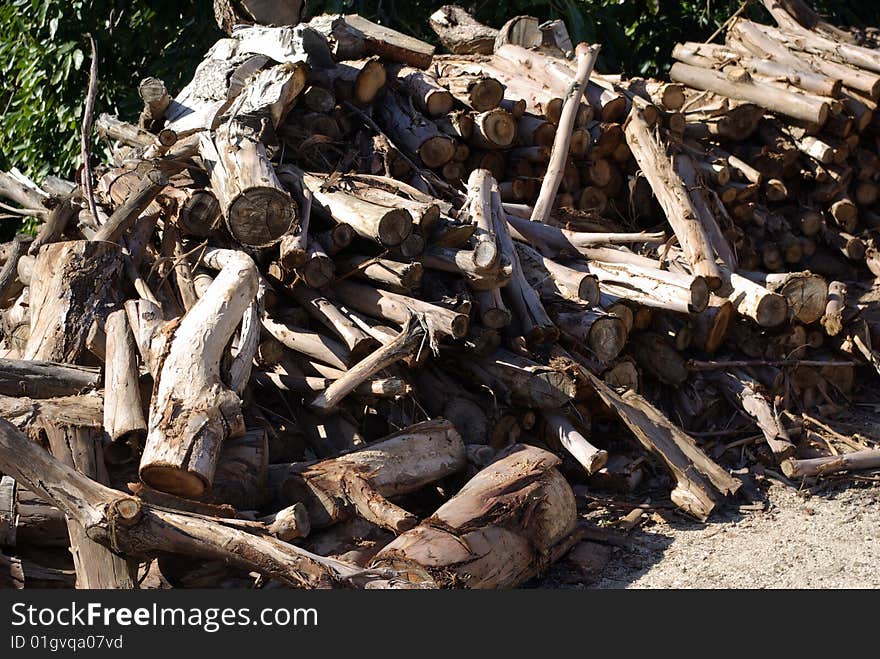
(828, 540)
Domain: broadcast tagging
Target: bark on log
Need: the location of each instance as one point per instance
(96, 566)
(414, 133)
(806, 293)
(71, 282)
(700, 482)
(387, 226)
(501, 529)
(257, 209)
(140, 530)
(673, 197)
(360, 483)
(831, 464)
(41, 379)
(192, 412)
(461, 33)
(123, 412)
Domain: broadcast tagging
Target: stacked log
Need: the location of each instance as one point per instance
(341, 287)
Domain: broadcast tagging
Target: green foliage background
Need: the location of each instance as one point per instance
(44, 56)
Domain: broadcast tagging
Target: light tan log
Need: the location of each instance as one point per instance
(427, 93)
(397, 308)
(604, 334)
(498, 531)
(123, 411)
(673, 197)
(192, 411)
(414, 133)
(536, 324)
(586, 60)
(360, 483)
(806, 293)
(752, 300)
(796, 106)
(70, 282)
(831, 464)
(257, 209)
(592, 459)
(700, 482)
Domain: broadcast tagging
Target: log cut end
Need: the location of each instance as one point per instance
(485, 94)
(807, 297)
(719, 326)
(607, 337)
(395, 227)
(260, 216)
(436, 151)
(771, 311)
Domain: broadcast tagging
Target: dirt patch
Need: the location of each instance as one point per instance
(828, 540)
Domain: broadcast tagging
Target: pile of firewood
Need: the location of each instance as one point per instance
(346, 312)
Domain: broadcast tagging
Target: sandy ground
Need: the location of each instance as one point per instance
(827, 540)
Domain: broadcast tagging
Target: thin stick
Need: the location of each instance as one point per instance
(729, 21)
(696, 365)
(88, 112)
(29, 212)
(586, 60)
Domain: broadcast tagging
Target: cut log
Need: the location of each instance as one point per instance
(257, 209)
(603, 334)
(415, 134)
(673, 197)
(700, 482)
(140, 530)
(123, 412)
(752, 300)
(461, 33)
(797, 106)
(498, 531)
(192, 412)
(397, 308)
(427, 93)
(71, 283)
(592, 459)
(41, 379)
(361, 482)
(832, 464)
(806, 293)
